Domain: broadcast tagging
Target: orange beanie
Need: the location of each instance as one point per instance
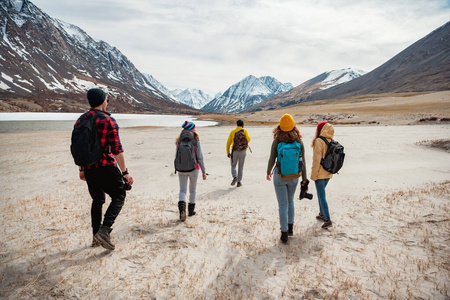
(287, 123)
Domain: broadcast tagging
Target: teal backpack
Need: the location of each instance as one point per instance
(289, 160)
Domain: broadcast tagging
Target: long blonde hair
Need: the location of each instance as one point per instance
(196, 136)
(286, 136)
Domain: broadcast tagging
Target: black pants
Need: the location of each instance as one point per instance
(100, 181)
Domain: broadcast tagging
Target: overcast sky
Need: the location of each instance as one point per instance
(212, 44)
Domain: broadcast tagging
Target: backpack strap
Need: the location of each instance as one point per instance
(325, 140)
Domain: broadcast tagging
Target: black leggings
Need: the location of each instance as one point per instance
(100, 181)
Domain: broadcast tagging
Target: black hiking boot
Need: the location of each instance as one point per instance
(191, 208)
(239, 184)
(103, 237)
(182, 209)
(291, 230)
(327, 224)
(284, 236)
(234, 181)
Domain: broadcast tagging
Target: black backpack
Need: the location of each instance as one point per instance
(185, 160)
(334, 157)
(86, 147)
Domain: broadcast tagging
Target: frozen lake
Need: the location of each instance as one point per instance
(65, 121)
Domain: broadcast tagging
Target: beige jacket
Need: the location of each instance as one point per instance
(319, 150)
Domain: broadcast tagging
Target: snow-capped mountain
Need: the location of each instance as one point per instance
(192, 97)
(51, 64)
(160, 87)
(321, 82)
(247, 92)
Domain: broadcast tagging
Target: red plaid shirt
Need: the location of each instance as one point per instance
(108, 133)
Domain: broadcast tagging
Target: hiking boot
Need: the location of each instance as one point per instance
(239, 184)
(284, 236)
(234, 181)
(191, 207)
(103, 237)
(95, 244)
(291, 229)
(320, 217)
(182, 209)
(327, 224)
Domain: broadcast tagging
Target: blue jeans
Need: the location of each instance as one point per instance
(285, 190)
(321, 184)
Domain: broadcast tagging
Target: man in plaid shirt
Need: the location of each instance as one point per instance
(108, 174)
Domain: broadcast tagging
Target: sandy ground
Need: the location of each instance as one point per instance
(389, 204)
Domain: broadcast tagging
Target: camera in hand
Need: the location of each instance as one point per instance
(303, 191)
(304, 194)
(126, 185)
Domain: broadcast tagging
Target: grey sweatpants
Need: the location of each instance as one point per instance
(238, 157)
(183, 177)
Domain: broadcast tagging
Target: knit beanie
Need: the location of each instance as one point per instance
(240, 123)
(287, 123)
(320, 126)
(96, 97)
(188, 125)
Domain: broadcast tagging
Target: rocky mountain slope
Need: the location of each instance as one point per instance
(48, 65)
(422, 67)
(321, 82)
(247, 92)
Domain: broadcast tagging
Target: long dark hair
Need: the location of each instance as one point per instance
(287, 136)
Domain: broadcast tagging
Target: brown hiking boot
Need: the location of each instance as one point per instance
(95, 244)
(320, 217)
(234, 181)
(327, 224)
(103, 237)
(239, 184)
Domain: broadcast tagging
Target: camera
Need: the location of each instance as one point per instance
(126, 185)
(303, 189)
(304, 194)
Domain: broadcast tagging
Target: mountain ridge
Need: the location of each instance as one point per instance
(52, 64)
(245, 93)
(320, 82)
(424, 66)
(193, 97)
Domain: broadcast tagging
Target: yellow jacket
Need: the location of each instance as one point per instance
(319, 151)
(230, 140)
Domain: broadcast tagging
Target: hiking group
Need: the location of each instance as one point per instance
(97, 150)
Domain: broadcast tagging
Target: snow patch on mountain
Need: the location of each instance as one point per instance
(192, 97)
(17, 5)
(60, 58)
(337, 77)
(160, 87)
(247, 92)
